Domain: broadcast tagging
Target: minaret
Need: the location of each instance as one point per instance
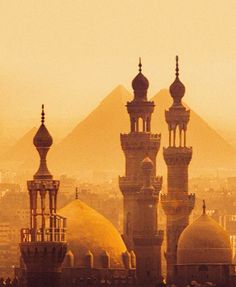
(140, 186)
(43, 245)
(177, 203)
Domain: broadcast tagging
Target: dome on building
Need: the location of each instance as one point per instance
(140, 85)
(42, 139)
(140, 82)
(177, 88)
(204, 241)
(147, 163)
(90, 232)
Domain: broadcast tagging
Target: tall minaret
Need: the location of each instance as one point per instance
(140, 186)
(43, 245)
(177, 203)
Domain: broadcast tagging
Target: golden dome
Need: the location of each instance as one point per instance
(204, 241)
(89, 231)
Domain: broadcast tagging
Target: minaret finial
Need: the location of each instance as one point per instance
(177, 66)
(204, 207)
(76, 193)
(140, 65)
(42, 115)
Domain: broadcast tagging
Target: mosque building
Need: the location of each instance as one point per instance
(93, 252)
(204, 254)
(77, 246)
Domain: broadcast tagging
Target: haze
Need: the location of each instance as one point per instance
(70, 54)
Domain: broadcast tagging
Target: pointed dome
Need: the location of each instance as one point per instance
(140, 85)
(43, 141)
(177, 88)
(89, 230)
(42, 138)
(204, 241)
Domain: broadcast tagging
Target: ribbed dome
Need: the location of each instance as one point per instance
(89, 231)
(42, 137)
(204, 241)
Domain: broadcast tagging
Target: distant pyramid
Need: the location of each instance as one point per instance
(211, 152)
(22, 154)
(94, 144)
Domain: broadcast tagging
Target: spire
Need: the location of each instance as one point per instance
(177, 66)
(43, 141)
(177, 88)
(76, 193)
(203, 207)
(140, 65)
(42, 115)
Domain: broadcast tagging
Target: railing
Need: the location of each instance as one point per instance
(46, 235)
(52, 230)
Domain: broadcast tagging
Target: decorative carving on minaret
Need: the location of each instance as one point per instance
(43, 245)
(140, 185)
(177, 203)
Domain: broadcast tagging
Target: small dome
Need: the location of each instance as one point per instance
(177, 88)
(140, 85)
(42, 137)
(204, 241)
(147, 163)
(140, 82)
(177, 91)
(87, 230)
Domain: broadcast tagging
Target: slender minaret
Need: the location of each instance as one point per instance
(43, 245)
(177, 203)
(140, 186)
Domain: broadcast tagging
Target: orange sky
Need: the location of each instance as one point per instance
(70, 54)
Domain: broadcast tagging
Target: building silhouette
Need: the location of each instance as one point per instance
(177, 203)
(204, 254)
(43, 245)
(94, 253)
(140, 186)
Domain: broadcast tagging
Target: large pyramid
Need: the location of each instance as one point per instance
(22, 155)
(94, 144)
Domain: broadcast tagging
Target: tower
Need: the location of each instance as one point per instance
(43, 244)
(140, 186)
(177, 203)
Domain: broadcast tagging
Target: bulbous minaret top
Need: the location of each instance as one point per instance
(140, 85)
(177, 88)
(43, 141)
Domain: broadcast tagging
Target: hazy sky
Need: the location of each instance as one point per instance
(70, 54)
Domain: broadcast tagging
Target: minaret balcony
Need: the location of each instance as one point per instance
(177, 115)
(133, 185)
(151, 239)
(43, 184)
(140, 141)
(177, 155)
(178, 203)
(54, 231)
